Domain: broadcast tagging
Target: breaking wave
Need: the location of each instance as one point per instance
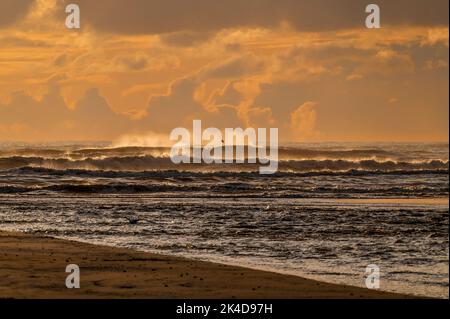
(148, 163)
(317, 170)
(155, 174)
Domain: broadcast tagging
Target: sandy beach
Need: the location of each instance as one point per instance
(34, 267)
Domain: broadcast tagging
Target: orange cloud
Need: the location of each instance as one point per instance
(240, 66)
(304, 121)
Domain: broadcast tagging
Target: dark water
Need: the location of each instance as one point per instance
(331, 210)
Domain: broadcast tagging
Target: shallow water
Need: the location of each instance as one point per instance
(321, 239)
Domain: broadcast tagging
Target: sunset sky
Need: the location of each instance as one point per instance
(144, 67)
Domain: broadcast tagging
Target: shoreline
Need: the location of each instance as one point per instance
(33, 266)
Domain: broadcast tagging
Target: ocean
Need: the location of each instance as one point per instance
(330, 210)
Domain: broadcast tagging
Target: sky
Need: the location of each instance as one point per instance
(139, 68)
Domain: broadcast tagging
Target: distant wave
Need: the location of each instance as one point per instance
(320, 152)
(295, 179)
(234, 189)
(177, 174)
(367, 165)
(101, 188)
(147, 163)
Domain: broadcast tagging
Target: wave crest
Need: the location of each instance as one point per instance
(150, 163)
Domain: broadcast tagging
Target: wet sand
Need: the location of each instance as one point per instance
(410, 201)
(34, 266)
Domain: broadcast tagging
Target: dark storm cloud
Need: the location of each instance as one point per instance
(11, 10)
(164, 16)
